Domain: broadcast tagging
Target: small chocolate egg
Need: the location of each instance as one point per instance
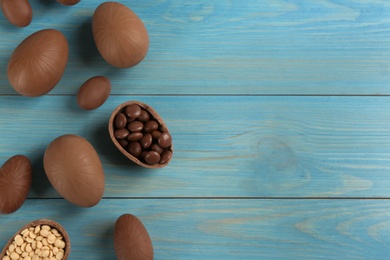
(17, 12)
(119, 34)
(38, 63)
(15, 183)
(74, 169)
(94, 92)
(131, 239)
(68, 2)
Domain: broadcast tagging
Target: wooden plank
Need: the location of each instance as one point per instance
(224, 146)
(224, 229)
(219, 47)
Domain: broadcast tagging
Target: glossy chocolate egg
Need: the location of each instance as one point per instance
(15, 183)
(119, 34)
(94, 92)
(68, 2)
(17, 12)
(74, 169)
(38, 63)
(131, 239)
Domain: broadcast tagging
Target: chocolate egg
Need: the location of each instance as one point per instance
(30, 234)
(141, 134)
(68, 2)
(74, 169)
(119, 34)
(38, 63)
(15, 183)
(94, 92)
(17, 12)
(131, 239)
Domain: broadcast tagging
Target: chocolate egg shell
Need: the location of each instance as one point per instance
(94, 92)
(15, 183)
(74, 169)
(50, 223)
(128, 153)
(68, 2)
(119, 34)
(38, 63)
(131, 239)
(17, 12)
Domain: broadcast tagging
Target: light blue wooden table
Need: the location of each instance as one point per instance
(280, 115)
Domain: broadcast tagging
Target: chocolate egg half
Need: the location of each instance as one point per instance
(15, 183)
(30, 234)
(131, 239)
(74, 169)
(38, 63)
(119, 34)
(140, 133)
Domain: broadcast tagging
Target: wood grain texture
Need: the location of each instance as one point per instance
(223, 229)
(234, 47)
(224, 146)
(280, 116)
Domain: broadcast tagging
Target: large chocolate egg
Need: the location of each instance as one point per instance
(119, 34)
(131, 239)
(15, 183)
(74, 169)
(38, 63)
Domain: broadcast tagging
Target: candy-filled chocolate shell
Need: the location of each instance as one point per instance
(131, 239)
(138, 137)
(42, 222)
(15, 183)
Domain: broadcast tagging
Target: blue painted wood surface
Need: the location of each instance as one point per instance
(279, 112)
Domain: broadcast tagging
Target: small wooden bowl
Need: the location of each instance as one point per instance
(156, 117)
(41, 222)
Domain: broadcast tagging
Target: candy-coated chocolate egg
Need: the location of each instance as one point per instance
(120, 35)
(38, 63)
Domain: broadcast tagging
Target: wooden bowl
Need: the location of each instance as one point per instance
(52, 224)
(153, 115)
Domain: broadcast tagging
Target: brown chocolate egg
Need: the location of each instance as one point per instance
(150, 142)
(94, 92)
(38, 63)
(17, 12)
(15, 183)
(119, 34)
(74, 169)
(131, 239)
(68, 2)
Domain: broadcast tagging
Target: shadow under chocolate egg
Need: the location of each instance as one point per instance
(87, 50)
(40, 183)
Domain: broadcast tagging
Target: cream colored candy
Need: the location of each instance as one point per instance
(35, 243)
